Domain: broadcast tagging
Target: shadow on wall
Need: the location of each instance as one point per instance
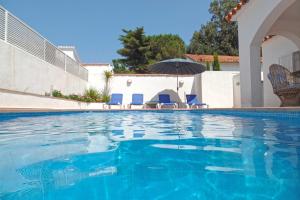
(173, 95)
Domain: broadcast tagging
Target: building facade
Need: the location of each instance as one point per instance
(257, 21)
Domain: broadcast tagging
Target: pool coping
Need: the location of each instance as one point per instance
(42, 110)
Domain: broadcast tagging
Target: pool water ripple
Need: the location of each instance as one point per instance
(149, 155)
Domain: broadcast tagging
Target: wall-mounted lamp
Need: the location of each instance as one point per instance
(129, 82)
(181, 82)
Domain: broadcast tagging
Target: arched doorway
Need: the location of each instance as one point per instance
(276, 50)
(257, 20)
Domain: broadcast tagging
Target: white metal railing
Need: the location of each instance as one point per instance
(54, 55)
(24, 38)
(16, 32)
(2, 23)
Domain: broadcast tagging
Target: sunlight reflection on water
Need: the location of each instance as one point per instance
(145, 155)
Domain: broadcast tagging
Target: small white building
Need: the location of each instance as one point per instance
(95, 70)
(270, 28)
(70, 51)
(228, 63)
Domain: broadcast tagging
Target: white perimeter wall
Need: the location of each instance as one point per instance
(230, 67)
(20, 71)
(96, 75)
(235, 67)
(217, 89)
(10, 99)
(152, 85)
(273, 50)
(213, 88)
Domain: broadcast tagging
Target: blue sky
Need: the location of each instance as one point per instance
(94, 26)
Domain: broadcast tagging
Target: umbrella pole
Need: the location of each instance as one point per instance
(177, 79)
(177, 84)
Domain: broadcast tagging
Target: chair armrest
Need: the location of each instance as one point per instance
(292, 79)
(296, 79)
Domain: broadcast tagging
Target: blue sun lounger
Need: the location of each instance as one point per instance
(164, 100)
(191, 100)
(116, 99)
(137, 100)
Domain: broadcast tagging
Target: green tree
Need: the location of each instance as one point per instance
(135, 49)
(217, 35)
(120, 67)
(165, 46)
(216, 64)
(140, 50)
(207, 66)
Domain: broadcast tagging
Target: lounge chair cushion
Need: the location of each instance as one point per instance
(164, 99)
(192, 100)
(137, 99)
(116, 99)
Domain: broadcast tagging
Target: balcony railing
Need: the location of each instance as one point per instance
(17, 33)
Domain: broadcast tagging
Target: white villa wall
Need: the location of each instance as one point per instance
(273, 50)
(237, 91)
(217, 89)
(234, 67)
(152, 85)
(96, 75)
(230, 67)
(21, 71)
(213, 88)
(9, 99)
(276, 17)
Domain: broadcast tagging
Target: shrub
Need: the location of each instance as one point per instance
(105, 98)
(57, 93)
(87, 99)
(74, 97)
(92, 95)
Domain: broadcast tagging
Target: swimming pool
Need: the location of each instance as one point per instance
(150, 155)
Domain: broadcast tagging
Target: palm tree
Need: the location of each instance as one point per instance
(106, 90)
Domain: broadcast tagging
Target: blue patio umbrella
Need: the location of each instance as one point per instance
(177, 66)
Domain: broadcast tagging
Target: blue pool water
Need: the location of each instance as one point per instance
(150, 155)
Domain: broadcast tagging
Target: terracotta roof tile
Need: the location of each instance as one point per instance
(268, 37)
(236, 9)
(210, 58)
